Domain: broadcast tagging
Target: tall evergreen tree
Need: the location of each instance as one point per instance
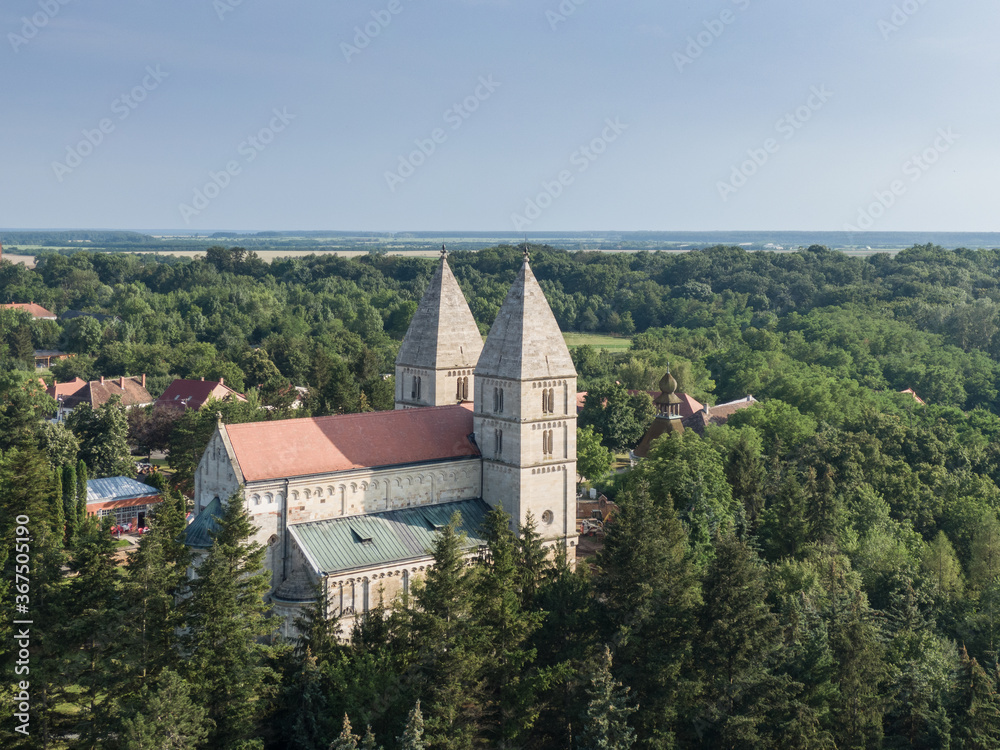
(81, 493)
(69, 502)
(605, 726)
(977, 725)
(533, 560)
(164, 717)
(735, 652)
(227, 627)
(413, 735)
(745, 472)
(346, 740)
(58, 517)
(510, 683)
(649, 593)
(446, 643)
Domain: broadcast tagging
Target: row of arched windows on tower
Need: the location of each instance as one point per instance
(415, 391)
(498, 400)
(462, 389)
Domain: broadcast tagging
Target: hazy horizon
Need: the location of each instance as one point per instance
(394, 116)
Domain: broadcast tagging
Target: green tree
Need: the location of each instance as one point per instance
(451, 660)
(649, 593)
(69, 503)
(81, 494)
(509, 682)
(57, 514)
(605, 726)
(226, 627)
(164, 717)
(621, 419)
(346, 740)
(978, 706)
(593, 460)
(103, 436)
(413, 735)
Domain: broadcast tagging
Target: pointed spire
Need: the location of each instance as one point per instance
(525, 341)
(442, 334)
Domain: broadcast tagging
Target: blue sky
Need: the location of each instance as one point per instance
(482, 115)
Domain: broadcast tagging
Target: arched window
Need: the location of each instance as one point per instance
(545, 401)
(500, 410)
(498, 438)
(496, 399)
(552, 400)
(458, 390)
(465, 388)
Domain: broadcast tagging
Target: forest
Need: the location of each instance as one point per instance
(823, 571)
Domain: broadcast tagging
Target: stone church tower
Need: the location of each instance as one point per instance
(525, 413)
(438, 355)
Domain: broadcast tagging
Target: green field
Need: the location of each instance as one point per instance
(598, 341)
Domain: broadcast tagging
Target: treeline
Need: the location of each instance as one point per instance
(821, 572)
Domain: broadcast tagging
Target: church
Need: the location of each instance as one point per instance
(348, 504)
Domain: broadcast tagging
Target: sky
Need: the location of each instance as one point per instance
(500, 115)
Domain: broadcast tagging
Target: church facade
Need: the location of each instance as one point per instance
(350, 503)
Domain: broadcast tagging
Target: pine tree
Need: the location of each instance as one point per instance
(226, 626)
(81, 494)
(533, 560)
(977, 706)
(446, 643)
(413, 735)
(606, 724)
(745, 472)
(69, 502)
(164, 717)
(346, 740)
(735, 653)
(505, 627)
(368, 743)
(649, 594)
(58, 517)
(310, 726)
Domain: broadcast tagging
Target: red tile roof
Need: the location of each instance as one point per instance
(320, 445)
(194, 394)
(63, 390)
(37, 311)
(131, 391)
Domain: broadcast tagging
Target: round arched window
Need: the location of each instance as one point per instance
(547, 517)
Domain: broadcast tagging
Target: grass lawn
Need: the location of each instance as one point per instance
(598, 341)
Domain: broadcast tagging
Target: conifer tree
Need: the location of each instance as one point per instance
(81, 494)
(163, 717)
(58, 518)
(227, 625)
(413, 735)
(510, 689)
(605, 726)
(346, 740)
(445, 640)
(310, 726)
(368, 743)
(745, 472)
(649, 595)
(533, 560)
(69, 502)
(735, 653)
(977, 725)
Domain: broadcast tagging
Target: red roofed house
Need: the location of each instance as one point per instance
(350, 503)
(131, 391)
(37, 311)
(194, 394)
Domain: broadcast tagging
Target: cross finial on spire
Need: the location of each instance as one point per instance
(527, 254)
(444, 252)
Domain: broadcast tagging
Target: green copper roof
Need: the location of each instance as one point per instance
(341, 544)
(199, 531)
